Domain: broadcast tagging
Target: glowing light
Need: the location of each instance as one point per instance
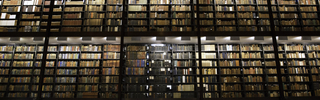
(251, 38)
(298, 38)
(227, 38)
(203, 38)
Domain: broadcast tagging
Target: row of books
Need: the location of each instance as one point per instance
(231, 87)
(206, 55)
(187, 55)
(159, 55)
(187, 63)
(72, 22)
(208, 63)
(23, 56)
(23, 71)
(5, 56)
(19, 63)
(19, 88)
(159, 71)
(110, 71)
(66, 72)
(155, 64)
(208, 79)
(87, 88)
(69, 56)
(49, 56)
(135, 71)
(253, 79)
(182, 71)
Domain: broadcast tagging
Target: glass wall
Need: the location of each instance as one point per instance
(160, 68)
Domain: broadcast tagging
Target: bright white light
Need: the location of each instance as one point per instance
(104, 37)
(157, 45)
(153, 38)
(203, 38)
(178, 38)
(318, 38)
(251, 38)
(227, 38)
(297, 38)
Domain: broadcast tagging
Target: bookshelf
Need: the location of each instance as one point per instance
(160, 71)
(168, 71)
(19, 73)
(296, 15)
(184, 64)
(157, 15)
(239, 71)
(82, 71)
(22, 16)
(87, 16)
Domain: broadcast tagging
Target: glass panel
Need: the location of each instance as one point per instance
(160, 70)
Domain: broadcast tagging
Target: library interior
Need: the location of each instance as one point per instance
(159, 50)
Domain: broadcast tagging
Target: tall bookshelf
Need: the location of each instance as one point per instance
(296, 15)
(19, 73)
(312, 51)
(87, 16)
(272, 85)
(6, 59)
(159, 15)
(111, 63)
(160, 67)
(239, 71)
(135, 73)
(22, 16)
(297, 77)
(185, 69)
(160, 71)
(82, 71)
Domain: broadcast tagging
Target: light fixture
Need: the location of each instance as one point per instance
(135, 38)
(282, 38)
(210, 38)
(259, 38)
(86, 38)
(185, 38)
(297, 38)
(234, 38)
(111, 38)
(37, 38)
(62, 38)
(306, 38)
(227, 38)
(160, 38)
(14, 38)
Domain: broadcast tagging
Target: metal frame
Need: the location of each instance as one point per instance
(197, 33)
